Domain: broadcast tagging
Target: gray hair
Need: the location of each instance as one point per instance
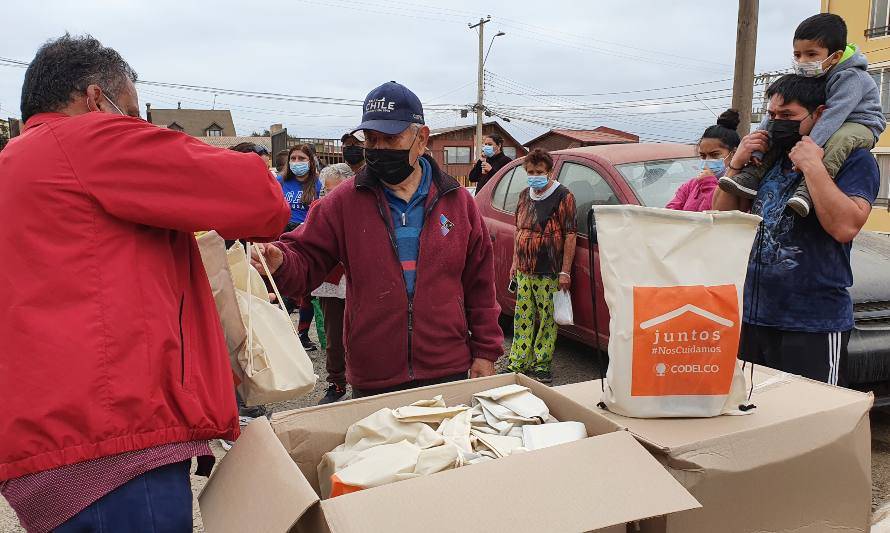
(337, 169)
(67, 65)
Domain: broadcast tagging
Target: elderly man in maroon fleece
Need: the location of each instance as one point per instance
(420, 303)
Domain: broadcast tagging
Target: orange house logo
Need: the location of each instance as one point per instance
(685, 340)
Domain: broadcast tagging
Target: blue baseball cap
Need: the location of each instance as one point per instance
(390, 109)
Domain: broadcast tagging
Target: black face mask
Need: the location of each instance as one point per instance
(784, 134)
(388, 165)
(353, 154)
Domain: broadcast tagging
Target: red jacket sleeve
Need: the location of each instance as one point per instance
(483, 311)
(163, 178)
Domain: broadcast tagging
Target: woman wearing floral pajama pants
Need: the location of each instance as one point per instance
(542, 264)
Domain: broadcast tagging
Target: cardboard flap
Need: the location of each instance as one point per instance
(581, 486)
(780, 399)
(256, 487)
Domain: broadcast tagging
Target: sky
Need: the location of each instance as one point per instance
(658, 69)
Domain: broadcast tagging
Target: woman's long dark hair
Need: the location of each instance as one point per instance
(725, 129)
(311, 177)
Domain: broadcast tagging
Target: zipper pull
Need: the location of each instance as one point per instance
(404, 218)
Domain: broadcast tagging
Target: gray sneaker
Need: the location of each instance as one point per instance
(743, 185)
(801, 202)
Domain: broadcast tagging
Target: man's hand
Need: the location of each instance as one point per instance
(565, 281)
(486, 167)
(481, 368)
(807, 155)
(757, 141)
(273, 255)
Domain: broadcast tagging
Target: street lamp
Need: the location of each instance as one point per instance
(498, 34)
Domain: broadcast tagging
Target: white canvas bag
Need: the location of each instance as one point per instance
(673, 282)
(275, 365)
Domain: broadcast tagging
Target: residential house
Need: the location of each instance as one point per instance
(195, 122)
(868, 27)
(560, 139)
(453, 148)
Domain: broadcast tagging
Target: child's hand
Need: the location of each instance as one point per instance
(807, 155)
(757, 141)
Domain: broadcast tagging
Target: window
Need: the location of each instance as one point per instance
(879, 21)
(500, 192)
(175, 126)
(589, 188)
(456, 155)
(510, 152)
(656, 182)
(214, 130)
(882, 80)
(517, 185)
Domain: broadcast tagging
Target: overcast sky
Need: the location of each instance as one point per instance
(556, 54)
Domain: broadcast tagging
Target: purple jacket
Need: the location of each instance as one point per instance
(694, 195)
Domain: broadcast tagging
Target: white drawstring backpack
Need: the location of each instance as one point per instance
(673, 282)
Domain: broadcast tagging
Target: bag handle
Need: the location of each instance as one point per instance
(249, 349)
(274, 285)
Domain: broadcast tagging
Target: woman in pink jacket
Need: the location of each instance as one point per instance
(715, 147)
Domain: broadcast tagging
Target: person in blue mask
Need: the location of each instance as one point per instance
(716, 147)
(542, 264)
(490, 161)
(301, 188)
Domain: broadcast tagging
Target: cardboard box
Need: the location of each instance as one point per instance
(801, 462)
(268, 481)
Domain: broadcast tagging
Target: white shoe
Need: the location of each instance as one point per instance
(226, 444)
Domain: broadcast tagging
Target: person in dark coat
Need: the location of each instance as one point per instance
(490, 161)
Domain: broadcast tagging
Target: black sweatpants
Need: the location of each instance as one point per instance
(818, 356)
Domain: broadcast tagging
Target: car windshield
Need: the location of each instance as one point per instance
(656, 182)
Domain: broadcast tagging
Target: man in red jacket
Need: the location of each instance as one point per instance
(420, 300)
(114, 370)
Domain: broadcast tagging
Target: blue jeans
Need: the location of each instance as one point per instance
(159, 501)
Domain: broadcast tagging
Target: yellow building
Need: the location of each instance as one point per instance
(868, 26)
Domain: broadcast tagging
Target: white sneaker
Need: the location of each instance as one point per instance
(226, 444)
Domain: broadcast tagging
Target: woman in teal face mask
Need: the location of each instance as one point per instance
(715, 148)
(301, 188)
(300, 183)
(542, 264)
(490, 160)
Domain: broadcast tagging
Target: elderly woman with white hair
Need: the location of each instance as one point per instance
(332, 297)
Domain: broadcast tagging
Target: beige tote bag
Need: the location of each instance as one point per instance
(276, 367)
(213, 254)
(673, 282)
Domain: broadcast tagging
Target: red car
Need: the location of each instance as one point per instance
(649, 175)
(641, 174)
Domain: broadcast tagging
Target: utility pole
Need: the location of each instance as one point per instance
(479, 90)
(745, 51)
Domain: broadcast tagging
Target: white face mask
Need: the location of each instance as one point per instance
(809, 69)
(113, 104)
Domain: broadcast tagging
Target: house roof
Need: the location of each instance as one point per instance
(600, 135)
(504, 133)
(195, 121)
(229, 141)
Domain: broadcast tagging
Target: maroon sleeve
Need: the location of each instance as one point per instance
(164, 178)
(311, 250)
(483, 311)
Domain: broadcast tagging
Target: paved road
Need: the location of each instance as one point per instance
(572, 362)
